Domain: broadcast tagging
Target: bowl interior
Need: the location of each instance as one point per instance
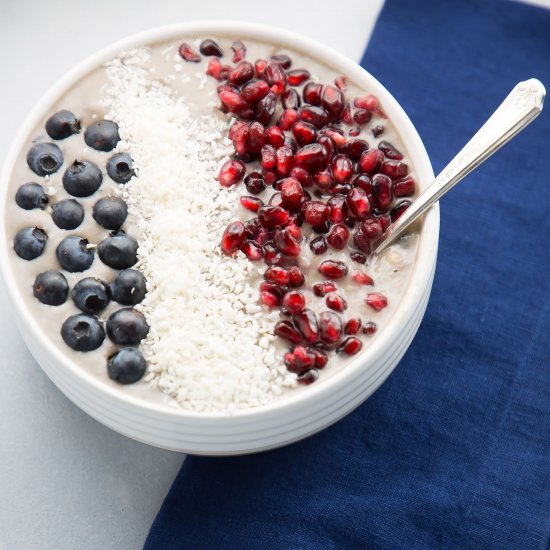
(427, 244)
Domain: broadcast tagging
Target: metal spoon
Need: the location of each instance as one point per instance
(517, 111)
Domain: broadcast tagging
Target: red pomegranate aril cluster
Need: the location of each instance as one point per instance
(320, 175)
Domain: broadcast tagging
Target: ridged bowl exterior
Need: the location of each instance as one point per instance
(278, 423)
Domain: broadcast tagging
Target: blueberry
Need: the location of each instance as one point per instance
(29, 243)
(82, 178)
(110, 212)
(51, 288)
(127, 327)
(31, 195)
(128, 288)
(119, 168)
(91, 295)
(62, 124)
(67, 214)
(126, 366)
(83, 332)
(118, 251)
(74, 255)
(102, 135)
(44, 158)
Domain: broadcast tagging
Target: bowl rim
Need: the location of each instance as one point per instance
(428, 236)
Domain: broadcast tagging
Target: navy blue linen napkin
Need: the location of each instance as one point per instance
(454, 450)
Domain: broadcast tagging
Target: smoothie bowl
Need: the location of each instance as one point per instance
(187, 224)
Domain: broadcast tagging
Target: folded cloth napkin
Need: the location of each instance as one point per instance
(454, 450)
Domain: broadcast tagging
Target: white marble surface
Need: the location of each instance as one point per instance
(66, 481)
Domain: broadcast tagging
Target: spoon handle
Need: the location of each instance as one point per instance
(520, 108)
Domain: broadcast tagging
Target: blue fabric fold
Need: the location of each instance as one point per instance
(453, 451)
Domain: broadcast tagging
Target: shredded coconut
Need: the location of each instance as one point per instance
(210, 344)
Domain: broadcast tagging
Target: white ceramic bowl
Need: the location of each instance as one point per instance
(278, 423)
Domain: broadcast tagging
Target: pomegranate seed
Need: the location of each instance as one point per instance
(270, 176)
(291, 99)
(268, 157)
(282, 59)
(233, 237)
(274, 288)
(332, 100)
(275, 136)
(330, 327)
(264, 109)
(285, 160)
(371, 161)
(240, 132)
(381, 188)
(390, 151)
(394, 169)
(368, 102)
(377, 301)
(256, 137)
(315, 212)
(259, 67)
(372, 228)
(358, 257)
(286, 330)
(272, 216)
(304, 132)
(252, 251)
(254, 183)
(226, 69)
(333, 269)
(276, 199)
(337, 138)
(314, 115)
(292, 193)
(369, 328)
(323, 178)
(342, 168)
(275, 77)
(362, 278)
(364, 182)
(306, 323)
(214, 68)
(338, 209)
(352, 326)
(188, 53)
(377, 131)
(404, 187)
(209, 47)
(237, 130)
(253, 227)
(361, 241)
(362, 116)
(297, 278)
(312, 156)
(243, 72)
(358, 203)
(251, 203)
(278, 275)
(302, 175)
(269, 300)
(338, 236)
(346, 115)
(355, 131)
(341, 188)
(287, 119)
(254, 91)
(272, 255)
(322, 289)
(232, 100)
(385, 221)
(354, 148)
(295, 231)
(350, 346)
(308, 377)
(246, 114)
(294, 302)
(300, 361)
(318, 245)
(341, 83)
(312, 93)
(336, 302)
(297, 77)
(328, 144)
(286, 243)
(321, 358)
(263, 236)
(239, 51)
(397, 212)
(231, 173)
